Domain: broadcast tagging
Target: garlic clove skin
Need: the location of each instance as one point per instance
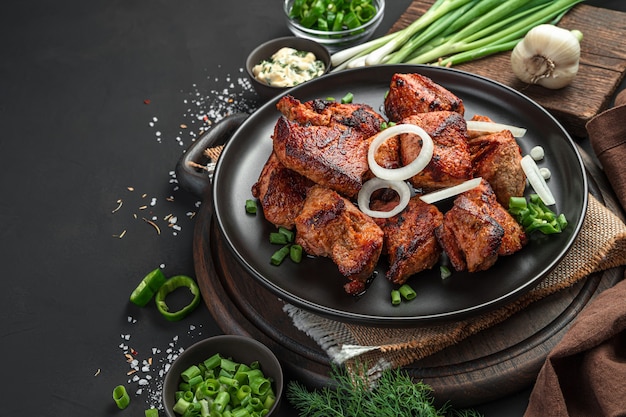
(548, 56)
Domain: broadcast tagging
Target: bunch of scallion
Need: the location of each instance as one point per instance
(394, 394)
(454, 31)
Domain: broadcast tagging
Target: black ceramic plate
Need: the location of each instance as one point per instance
(316, 285)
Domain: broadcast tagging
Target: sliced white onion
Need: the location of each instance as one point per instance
(407, 171)
(491, 127)
(536, 180)
(366, 191)
(444, 193)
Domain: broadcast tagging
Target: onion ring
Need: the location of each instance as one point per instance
(407, 171)
(366, 191)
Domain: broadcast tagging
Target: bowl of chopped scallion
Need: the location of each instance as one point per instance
(336, 24)
(223, 375)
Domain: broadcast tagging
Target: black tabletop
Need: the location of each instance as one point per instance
(98, 100)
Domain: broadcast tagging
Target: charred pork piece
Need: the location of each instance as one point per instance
(477, 229)
(496, 157)
(331, 156)
(410, 241)
(451, 163)
(331, 226)
(281, 192)
(359, 117)
(411, 94)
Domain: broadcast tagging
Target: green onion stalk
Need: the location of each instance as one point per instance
(456, 31)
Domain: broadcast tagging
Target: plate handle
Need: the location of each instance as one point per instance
(194, 169)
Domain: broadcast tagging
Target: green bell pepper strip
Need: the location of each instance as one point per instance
(148, 286)
(121, 397)
(169, 286)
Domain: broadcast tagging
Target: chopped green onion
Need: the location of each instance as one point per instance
(279, 256)
(335, 15)
(347, 98)
(120, 396)
(534, 215)
(289, 234)
(239, 390)
(251, 207)
(444, 271)
(190, 372)
(295, 253)
(277, 238)
(396, 299)
(407, 292)
(151, 412)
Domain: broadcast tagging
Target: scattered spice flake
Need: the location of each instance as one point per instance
(146, 101)
(119, 205)
(97, 372)
(130, 188)
(153, 224)
(121, 235)
(183, 126)
(133, 351)
(143, 207)
(144, 195)
(170, 199)
(128, 357)
(132, 371)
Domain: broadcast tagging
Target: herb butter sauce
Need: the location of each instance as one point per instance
(288, 67)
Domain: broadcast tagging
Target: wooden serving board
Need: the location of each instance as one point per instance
(602, 65)
(494, 363)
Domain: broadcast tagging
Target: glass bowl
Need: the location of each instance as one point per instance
(336, 40)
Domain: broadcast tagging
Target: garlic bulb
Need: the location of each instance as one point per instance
(548, 56)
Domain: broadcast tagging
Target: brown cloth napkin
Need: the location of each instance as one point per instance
(585, 374)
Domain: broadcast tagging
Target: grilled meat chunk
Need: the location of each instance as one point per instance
(451, 163)
(281, 192)
(477, 229)
(411, 94)
(330, 225)
(361, 118)
(496, 157)
(410, 241)
(328, 155)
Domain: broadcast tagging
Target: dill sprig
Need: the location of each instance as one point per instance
(394, 394)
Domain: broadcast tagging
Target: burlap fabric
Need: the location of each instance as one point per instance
(600, 245)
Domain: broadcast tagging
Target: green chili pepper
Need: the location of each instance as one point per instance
(169, 286)
(148, 286)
